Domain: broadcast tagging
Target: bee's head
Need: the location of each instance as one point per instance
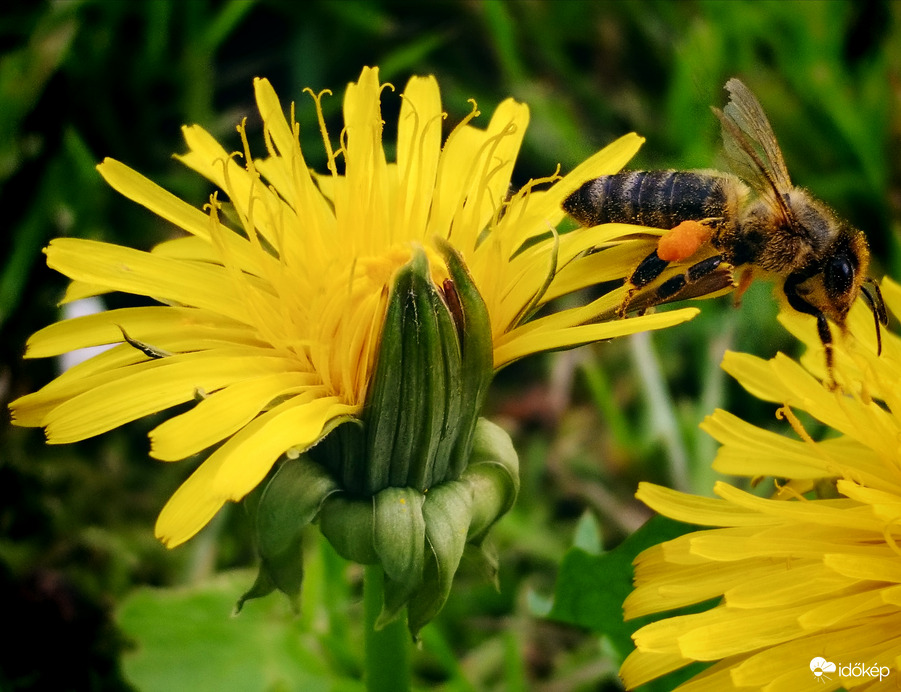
(844, 277)
(844, 270)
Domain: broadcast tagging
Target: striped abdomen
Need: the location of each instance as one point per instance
(660, 199)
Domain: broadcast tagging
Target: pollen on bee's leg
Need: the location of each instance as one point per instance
(682, 241)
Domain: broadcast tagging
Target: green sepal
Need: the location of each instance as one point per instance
(342, 451)
(399, 541)
(483, 557)
(382, 397)
(447, 510)
(477, 353)
(492, 475)
(290, 501)
(263, 585)
(349, 525)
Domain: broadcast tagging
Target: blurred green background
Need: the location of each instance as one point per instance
(81, 80)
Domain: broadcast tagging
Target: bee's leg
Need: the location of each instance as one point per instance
(798, 303)
(647, 270)
(677, 244)
(695, 272)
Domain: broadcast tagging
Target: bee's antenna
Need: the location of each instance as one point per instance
(877, 305)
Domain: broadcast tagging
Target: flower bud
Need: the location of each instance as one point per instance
(419, 475)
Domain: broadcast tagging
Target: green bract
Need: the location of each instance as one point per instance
(419, 475)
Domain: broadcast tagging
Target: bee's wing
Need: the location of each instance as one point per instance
(751, 146)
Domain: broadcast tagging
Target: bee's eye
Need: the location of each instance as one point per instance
(839, 276)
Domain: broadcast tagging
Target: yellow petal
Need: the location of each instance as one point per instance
(891, 293)
(258, 207)
(152, 324)
(495, 164)
(751, 451)
(839, 608)
(785, 585)
(418, 150)
(223, 413)
(662, 583)
(31, 409)
(721, 632)
(837, 513)
(124, 269)
(455, 178)
(289, 171)
(158, 200)
(238, 249)
(160, 384)
(864, 567)
(612, 264)
(241, 463)
(694, 509)
(514, 346)
(783, 380)
(641, 666)
(363, 209)
(607, 161)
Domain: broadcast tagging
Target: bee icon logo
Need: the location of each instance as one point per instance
(819, 666)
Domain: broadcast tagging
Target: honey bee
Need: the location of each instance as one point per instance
(752, 218)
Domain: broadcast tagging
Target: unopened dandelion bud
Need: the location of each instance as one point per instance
(427, 388)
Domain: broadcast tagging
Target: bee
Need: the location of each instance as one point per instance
(752, 218)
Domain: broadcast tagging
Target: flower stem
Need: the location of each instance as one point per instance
(387, 665)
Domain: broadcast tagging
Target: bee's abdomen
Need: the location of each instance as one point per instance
(660, 199)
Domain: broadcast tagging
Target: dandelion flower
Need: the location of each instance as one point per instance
(810, 574)
(365, 307)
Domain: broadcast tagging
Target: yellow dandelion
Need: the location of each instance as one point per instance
(271, 315)
(808, 581)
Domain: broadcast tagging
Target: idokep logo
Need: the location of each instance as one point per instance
(819, 666)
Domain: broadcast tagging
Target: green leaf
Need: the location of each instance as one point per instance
(591, 588)
(185, 640)
(588, 534)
